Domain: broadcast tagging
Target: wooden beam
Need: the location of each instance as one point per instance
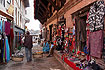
(44, 6)
(42, 18)
(42, 10)
(44, 14)
(53, 4)
(40, 14)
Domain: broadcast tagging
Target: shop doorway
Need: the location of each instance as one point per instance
(51, 32)
(80, 29)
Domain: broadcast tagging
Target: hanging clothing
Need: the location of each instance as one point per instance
(11, 34)
(19, 36)
(4, 52)
(96, 43)
(1, 23)
(7, 28)
(80, 31)
(7, 50)
(96, 16)
(73, 30)
(0, 51)
(3, 26)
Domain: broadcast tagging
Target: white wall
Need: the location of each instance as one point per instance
(4, 8)
(21, 10)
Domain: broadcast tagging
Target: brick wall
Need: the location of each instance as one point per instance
(68, 16)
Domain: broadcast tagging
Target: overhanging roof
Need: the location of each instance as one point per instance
(43, 9)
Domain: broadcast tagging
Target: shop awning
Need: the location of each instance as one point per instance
(18, 29)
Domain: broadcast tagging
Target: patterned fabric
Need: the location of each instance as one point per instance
(96, 43)
(96, 16)
(7, 28)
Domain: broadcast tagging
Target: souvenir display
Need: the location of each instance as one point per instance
(83, 42)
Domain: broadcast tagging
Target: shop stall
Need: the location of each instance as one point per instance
(6, 37)
(82, 46)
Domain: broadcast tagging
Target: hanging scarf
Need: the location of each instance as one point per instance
(7, 50)
(4, 53)
(1, 26)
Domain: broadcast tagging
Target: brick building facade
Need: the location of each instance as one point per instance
(62, 13)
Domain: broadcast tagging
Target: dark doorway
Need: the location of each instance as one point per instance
(51, 31)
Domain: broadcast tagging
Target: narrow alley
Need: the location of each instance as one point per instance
(52, 34)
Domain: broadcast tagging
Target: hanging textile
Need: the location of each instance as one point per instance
(4, 55)
(7, 28)
(3, 26)
(19, 36)
(96, 43)
(96, 16)
(11, 33)
(80, 32)
(1, 23)
(73, 30)
(7, 50)
(0, 51)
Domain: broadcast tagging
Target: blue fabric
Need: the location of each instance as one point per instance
(73, 31)
(7, 50)
(44, 47)
(1, 26)
(52, 45)
(19, 36)
(85, 50)
(47, 47)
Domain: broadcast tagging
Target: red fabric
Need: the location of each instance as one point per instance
(71, 47)
(78, 52)
(7, 28)
(11, 34)
(96, 43)
(88, 58)
(88, 33)
(71, 64)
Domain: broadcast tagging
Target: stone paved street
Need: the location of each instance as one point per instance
(43, 63)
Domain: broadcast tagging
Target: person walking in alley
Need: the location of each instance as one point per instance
(28, 46)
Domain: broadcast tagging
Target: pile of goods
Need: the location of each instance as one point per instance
(38, 54)
(18, 56)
